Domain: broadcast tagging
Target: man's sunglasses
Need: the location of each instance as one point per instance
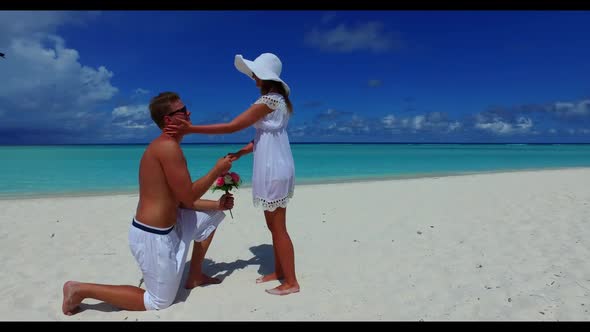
(182, 110)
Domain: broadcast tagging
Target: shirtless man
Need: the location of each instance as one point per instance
(170, 215)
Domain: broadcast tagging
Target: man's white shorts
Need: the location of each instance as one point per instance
(161, 252)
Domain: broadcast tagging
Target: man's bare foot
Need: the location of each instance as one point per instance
(71, 299)
(284, 289)
(268, 277)
(202, 281)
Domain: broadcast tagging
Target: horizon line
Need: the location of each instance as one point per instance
(295, 143)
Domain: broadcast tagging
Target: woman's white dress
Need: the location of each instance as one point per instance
(273, 172)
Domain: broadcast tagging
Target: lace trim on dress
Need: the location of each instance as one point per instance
(272, 205)
(270, 101)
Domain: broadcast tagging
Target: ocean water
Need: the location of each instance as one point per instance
(95, 169)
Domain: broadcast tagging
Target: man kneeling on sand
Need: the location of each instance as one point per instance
(170, 214)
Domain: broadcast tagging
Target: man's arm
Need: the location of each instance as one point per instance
(178, 177)
(201, 186)
(225, 202)
(205, 205)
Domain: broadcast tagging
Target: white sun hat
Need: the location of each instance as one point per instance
(266, 66)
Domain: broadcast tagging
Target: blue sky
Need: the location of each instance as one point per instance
(355, 76)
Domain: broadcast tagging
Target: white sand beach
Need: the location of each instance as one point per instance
(502, 246)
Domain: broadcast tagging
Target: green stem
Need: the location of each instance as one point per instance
(231, 214)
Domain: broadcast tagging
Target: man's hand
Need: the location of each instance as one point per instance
(226, 202)
(177, 129)
(223, 165)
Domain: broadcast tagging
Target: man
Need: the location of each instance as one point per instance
(170, 214)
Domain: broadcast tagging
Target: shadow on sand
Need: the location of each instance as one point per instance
(263, 256)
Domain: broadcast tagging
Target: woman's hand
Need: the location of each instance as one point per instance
(174, 130)
(234, 156)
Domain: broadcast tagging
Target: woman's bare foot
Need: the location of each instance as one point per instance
(202, 281)
(71, 300)
(284, 289)
(268, 277)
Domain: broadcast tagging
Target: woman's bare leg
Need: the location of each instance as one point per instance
(284, 252)
(278, 272)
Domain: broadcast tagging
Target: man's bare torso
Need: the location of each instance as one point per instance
(157, 205)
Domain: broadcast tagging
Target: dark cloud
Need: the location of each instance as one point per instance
(375, 83)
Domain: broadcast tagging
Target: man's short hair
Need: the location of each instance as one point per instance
(160, 106)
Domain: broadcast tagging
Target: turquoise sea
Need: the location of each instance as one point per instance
(95, 169)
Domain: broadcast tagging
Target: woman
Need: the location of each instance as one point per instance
(273, 176)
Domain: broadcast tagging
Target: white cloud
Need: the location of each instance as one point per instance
(136, 112)
(298, 131)
(560, 105)
(34, 24)
(140, 91)
(454, 126)
(388, 121)
(572, 109)
(496, 126)
(357, 121)
(42, 77)
(132, 116)
(435, 121)
(580, 131)
(332, 114)
(524, 123)
(418, 122)
(500, 127)
(342, 38)
(131, 125)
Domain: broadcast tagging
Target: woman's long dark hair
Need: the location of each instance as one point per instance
(268, 85)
